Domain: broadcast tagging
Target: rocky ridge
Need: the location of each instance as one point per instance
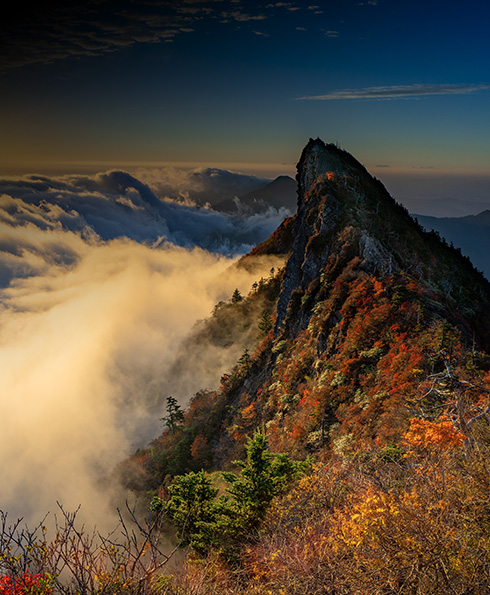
(367, 308)
(344, 212)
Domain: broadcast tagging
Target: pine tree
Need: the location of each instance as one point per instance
(192, 509)
(175, 415)
(236, 297)
(226, 523)
(265, 323)
(263, 476)
(245, 361)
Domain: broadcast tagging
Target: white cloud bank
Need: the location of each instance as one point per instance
(116, 204)
(96, 300)
(201, 185)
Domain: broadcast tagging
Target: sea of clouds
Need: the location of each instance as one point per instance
(102, 277)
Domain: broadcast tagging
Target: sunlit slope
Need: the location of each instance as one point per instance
(368, 308)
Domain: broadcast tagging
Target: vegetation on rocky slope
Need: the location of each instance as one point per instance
(369, 353)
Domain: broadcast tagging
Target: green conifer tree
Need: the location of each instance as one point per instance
(226, 523)
(192, 509)
(265, 323)
(236, 297)
(175, 415)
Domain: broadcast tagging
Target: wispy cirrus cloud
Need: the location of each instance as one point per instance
(243, 17)
(399, 92)
(46, 34)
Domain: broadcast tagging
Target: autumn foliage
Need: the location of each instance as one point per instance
(429, 434)
(375, 365)
(26, 584)
(413, 524)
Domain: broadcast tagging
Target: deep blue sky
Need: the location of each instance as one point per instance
(399, 83)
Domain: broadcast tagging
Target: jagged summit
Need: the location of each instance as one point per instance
(318, 160)
(344, 213)
(334, 192)
(369, 310)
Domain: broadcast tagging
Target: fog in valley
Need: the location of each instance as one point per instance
(102, 280)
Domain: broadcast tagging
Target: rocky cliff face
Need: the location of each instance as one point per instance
(369, 309)
(343, 212)
(370, 306)
(332, 188)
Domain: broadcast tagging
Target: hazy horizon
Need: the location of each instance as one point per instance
(424, 191)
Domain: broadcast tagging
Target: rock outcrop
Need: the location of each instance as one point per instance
(370, 310)
(344, 212)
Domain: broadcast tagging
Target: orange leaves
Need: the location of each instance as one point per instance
(249, 414)
(297, 433)
(428, 434)
(305, 397)
(417, 525)
(378, 289)
(199, 448)
(363, 521)
(376, 538)
(239, 436)
(401, 365)
(399, 532)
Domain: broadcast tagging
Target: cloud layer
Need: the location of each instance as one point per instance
(115, 204)
(102, 281)
(398, 91)
(202, 185)
(82, 350)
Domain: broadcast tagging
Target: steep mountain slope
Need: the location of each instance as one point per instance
(377, 322)
(471, 234)
(344, 213)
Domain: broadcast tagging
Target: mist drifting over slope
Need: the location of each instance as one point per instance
(112, 205)
(101, 282)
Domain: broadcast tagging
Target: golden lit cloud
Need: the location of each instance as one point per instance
(84, 345)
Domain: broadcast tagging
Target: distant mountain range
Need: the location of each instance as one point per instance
(280, 193)
(471, 234)
(445, 207)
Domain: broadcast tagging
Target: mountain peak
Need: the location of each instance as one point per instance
(370, 310)
(320, 161)
(346, 219)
